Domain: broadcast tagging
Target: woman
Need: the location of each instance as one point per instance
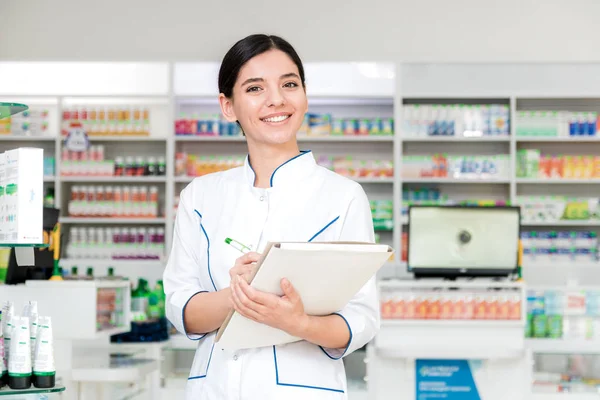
(280, 194)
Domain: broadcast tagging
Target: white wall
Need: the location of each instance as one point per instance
(321, 30)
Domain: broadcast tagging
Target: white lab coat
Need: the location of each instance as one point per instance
(305, 202)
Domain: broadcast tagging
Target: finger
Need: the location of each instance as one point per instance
(246, 300)
(289, 291)
(248, 258)
(257, 296)
(243, 309)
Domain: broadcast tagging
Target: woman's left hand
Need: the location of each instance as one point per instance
(285, 312)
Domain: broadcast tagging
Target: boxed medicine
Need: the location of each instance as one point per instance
(22, 204)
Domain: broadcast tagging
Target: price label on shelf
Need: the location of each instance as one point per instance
(575, 303)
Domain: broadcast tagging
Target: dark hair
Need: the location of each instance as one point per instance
(248, 48)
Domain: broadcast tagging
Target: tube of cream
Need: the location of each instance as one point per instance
(8, 312)
(19, 364)
(44, 371)
(3, 366)
(32, 313)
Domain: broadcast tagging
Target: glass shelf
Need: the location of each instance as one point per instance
(36, 245)
(6, 391)
(8, 109)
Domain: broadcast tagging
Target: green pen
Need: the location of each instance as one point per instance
(237, 245)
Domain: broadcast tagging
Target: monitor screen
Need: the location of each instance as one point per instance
(463, 240)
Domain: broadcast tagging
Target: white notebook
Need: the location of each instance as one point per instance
(326, 275)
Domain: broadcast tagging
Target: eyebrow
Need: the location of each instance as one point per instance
(284, 76)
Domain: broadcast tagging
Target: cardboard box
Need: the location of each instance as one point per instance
(23, 196)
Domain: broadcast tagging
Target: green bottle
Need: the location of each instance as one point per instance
(89, 275)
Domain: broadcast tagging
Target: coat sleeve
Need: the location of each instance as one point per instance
(181, 277)
(361, 314)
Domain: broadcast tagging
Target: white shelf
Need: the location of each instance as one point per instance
(96, 283)
(563, 223)
(454, 180)
(68, 262)
(477, 139)
(17, 138)
(451, 353)
(75, 220)
(115, 179)
(191, 138)
(372, 180)
(568, 139)
(563, 346)
(118, 138)
(49, 178)
(565, 396)
(549, 181)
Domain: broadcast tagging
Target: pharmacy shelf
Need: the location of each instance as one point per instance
(49, 178)
(29, 393)
(474, 139)
(563, 346)
(565, 396)
(111, 138)
(447, 323)
(91, 221)
(454, 180)
(344, 139)
(69, 262)
(115, 179)
(552, 181)
(451, 353)
(563, 223)
(568, 139)
(16, 138)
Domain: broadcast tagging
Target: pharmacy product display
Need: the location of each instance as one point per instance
(444, 304)
(578, 377)
(114, 202)
(327, 125)
(116, 243)
(558, 208)
(91, 162)
(557, 124)
(456, 167)
(107, 120)
(28, 348)
(433, 197)
(357, 168)
(314, 124)
(147, 303)
(569, 314)
(559, 247)
(205, 125)
(462, 120)
(21, 195)
(49, 167)
(194, 165)
(383, 214)
(32, 122)
(532, 164)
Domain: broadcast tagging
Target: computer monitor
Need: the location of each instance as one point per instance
(455, 241)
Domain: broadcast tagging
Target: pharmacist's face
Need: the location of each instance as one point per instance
(269, 100)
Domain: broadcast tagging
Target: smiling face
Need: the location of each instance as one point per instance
(268, 99)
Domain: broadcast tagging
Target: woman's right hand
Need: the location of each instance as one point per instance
(244, 266)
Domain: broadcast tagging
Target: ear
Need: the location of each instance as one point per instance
(227, 108)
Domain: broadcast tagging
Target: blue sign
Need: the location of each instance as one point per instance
(445, 379)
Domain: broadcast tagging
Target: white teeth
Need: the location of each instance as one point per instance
(277, 119)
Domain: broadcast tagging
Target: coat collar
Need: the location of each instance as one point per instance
(294, 169)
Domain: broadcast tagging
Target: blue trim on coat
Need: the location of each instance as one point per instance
(322, 229)
(207, 366)
(303, 152)
(349, 340)
(207, 249)
(183, 315)
(295, 385)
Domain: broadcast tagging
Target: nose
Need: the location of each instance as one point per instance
(276, 97)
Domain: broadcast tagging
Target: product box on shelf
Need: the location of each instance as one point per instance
(456, 167)
(532, 164)
(31, 122)
(108, 120)
(559, 247)
(556, 123)
(22, 196)
(315, 124)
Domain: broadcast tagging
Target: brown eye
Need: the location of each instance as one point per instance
(253, 89)
(291, 85)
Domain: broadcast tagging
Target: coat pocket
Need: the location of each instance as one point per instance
(305, 365)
